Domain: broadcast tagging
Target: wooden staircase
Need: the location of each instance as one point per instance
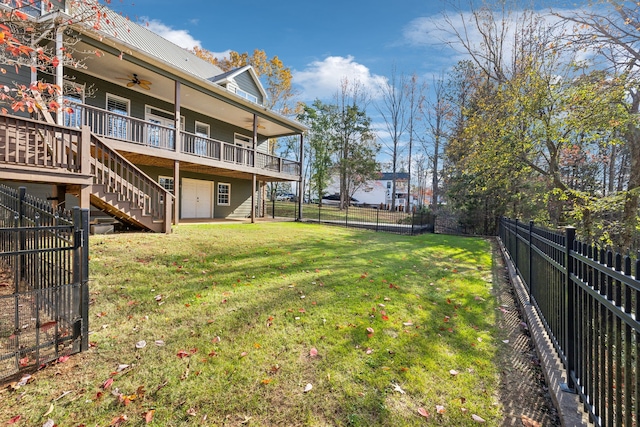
(35, 151)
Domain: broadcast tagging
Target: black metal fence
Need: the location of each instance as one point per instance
(44, 300)
(371, 218)
(589, 300)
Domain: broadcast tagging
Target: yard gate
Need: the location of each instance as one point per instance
(44, 300)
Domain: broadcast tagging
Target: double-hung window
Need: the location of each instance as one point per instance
(117, 123)
(200, 147)
(224, 194)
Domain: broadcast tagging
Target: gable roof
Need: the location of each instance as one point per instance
(388, 176)
(229, 76)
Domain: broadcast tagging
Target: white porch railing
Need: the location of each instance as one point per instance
(112, 125)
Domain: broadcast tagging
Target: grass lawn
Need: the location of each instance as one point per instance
(233, 315)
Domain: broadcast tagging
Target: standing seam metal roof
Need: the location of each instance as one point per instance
(145, 40)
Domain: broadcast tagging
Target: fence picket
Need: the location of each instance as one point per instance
(589, 302)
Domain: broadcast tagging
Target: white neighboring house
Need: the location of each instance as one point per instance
(378, 192)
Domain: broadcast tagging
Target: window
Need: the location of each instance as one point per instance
(243, 140)
(201, 129)
(232, 87)
(73, 99)
(117, 123)
(161, 135)
(166, 182)
(224, 194)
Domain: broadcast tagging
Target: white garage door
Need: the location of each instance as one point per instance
(197, 198)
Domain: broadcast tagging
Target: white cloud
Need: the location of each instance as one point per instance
(321, 79)
(180, 37)
(458, 31)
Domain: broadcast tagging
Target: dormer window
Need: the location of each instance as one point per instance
(246, 95)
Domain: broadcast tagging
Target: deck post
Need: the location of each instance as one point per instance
(176, 192)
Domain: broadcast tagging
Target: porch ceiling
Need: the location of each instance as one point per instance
(193, 96)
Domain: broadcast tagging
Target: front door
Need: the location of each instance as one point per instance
(197, 199)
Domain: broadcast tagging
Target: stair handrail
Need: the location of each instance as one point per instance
(119, 175)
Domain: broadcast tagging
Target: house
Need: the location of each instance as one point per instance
(148, 133)
(378, 192)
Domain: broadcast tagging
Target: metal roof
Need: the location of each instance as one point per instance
(145, 40)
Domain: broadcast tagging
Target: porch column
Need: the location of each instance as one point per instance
(176, 118)
(176, 192)
(253, 176)
(59, 74)
(84, 196)
(58, 198)
(301, 180)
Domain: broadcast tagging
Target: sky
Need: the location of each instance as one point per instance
(321, 41)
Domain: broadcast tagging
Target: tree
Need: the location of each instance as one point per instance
(393, 110)
(46, 45)
(415, 99)
(613, 33)
(320, 118)
(354, 146)
(437, 113)
(277, 77)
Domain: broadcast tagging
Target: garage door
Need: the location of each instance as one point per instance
(197, 199)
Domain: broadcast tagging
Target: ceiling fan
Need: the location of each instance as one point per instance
(135, 80)
(249, 124)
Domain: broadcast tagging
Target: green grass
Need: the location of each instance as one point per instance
(272, 292)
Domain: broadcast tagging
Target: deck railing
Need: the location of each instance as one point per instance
(38, 144)
(137, 131)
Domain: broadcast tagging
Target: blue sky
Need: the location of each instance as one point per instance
(320, 41)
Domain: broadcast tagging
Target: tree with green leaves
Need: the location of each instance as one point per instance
(354, 146)
(319, 117)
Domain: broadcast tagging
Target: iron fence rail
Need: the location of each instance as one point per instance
(370, 218)
(43, 282)
(589, 300)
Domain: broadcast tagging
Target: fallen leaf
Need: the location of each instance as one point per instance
(63, 359)
(529, 422)
(423, 412)
(182, 354)
(50, 410)
(440, 409)
(407, 323)
(215, 339)
(148, 416)
(370, 330)
(107, 383)
(14, 419)
(49, 423)
(119, 420)
(308, 388)
(141, 344)
(313, 352)
(453, 372)
(192, 412)
(397, 388)
(446, 318)
(477, 418)
(122, 367)
(266, 381)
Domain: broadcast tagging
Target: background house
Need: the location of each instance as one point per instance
(378, 192)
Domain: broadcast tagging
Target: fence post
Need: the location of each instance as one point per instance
(515, 250)
(569, 310)
(22, 241)
(413, 220)
(81, 272)
(377, 218)
(530, 278)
